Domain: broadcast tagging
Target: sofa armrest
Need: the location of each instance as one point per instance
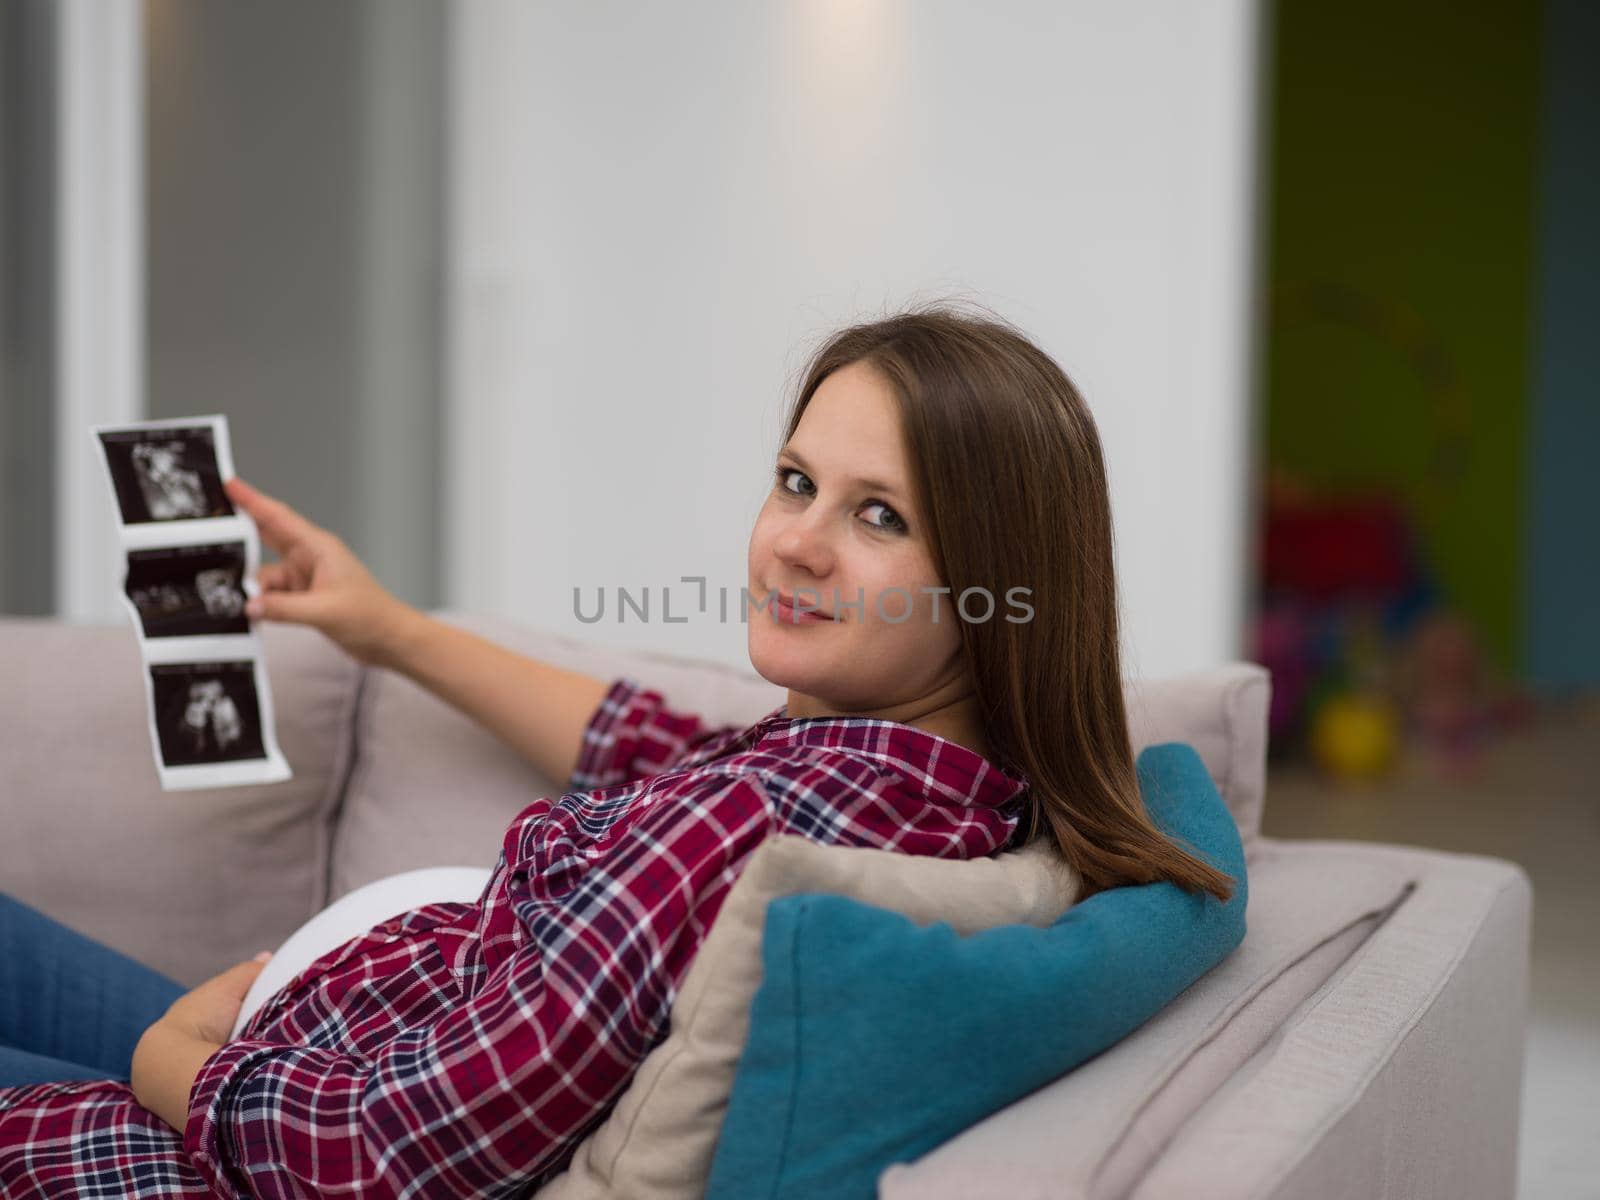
(1366, 970)
(1400, 1077)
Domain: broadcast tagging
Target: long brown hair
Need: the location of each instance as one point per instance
(1020, 499)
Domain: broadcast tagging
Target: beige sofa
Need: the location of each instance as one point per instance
(1364, 1041)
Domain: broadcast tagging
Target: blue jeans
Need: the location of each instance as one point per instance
(70, 1008)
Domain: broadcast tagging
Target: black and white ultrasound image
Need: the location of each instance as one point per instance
(167, 474)
(189, 591)
(206, 712)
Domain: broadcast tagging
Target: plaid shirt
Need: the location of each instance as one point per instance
(465, 1049)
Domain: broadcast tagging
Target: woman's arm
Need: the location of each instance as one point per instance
(537, 709)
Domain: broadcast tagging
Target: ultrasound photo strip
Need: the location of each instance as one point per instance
(189, 566)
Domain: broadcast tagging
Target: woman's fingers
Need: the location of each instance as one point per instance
(305, 608)
(281, 576)
(302, 557)
(316, 581)
(281, 527)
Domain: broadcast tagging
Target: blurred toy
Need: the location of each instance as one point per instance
(1329, 547)
(1450, 703)
(1282, 644)
(1344, 582)
(1355, 736)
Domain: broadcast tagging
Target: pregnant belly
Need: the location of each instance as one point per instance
(354, 914)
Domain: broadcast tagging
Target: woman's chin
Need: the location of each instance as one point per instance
(784, 661)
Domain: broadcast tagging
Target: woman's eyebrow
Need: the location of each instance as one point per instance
(870, 484)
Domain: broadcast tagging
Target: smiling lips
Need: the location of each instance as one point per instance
(789, 615)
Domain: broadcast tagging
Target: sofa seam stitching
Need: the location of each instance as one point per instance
(355, 769)
(1315, 1135)
(1242, 1000)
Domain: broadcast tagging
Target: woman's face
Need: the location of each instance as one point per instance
(840, 523)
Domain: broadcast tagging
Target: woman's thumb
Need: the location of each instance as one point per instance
(300, 607)
(236, 980)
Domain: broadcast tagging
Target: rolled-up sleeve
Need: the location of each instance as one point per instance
(232, 1109)
(488, 1098)
(633, 734)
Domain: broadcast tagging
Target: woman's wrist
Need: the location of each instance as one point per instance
(405, 637)
(166, 1063)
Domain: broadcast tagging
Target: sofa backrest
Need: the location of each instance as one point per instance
(187, 882)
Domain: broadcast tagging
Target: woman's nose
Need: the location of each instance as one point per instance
(803, 543)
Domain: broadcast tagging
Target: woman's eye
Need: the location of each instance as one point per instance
(893, 523)
(783, 480)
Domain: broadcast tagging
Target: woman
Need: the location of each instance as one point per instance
(938, 540)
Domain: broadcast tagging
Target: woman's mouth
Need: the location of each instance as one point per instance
(788, 614)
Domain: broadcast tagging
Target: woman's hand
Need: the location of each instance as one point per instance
(207, 1013)
(195, 1026)
(319, 582)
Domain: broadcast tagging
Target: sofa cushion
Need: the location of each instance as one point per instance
(939, 1030)
(659, 1139)
(186, 882)
(1222, 713)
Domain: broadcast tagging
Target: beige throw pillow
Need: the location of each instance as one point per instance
(658, 1141)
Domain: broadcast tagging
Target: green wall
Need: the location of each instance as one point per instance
(1401, 202)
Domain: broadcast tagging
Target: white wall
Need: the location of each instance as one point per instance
(657, 210)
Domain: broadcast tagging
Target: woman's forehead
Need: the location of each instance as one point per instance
(851, 429)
